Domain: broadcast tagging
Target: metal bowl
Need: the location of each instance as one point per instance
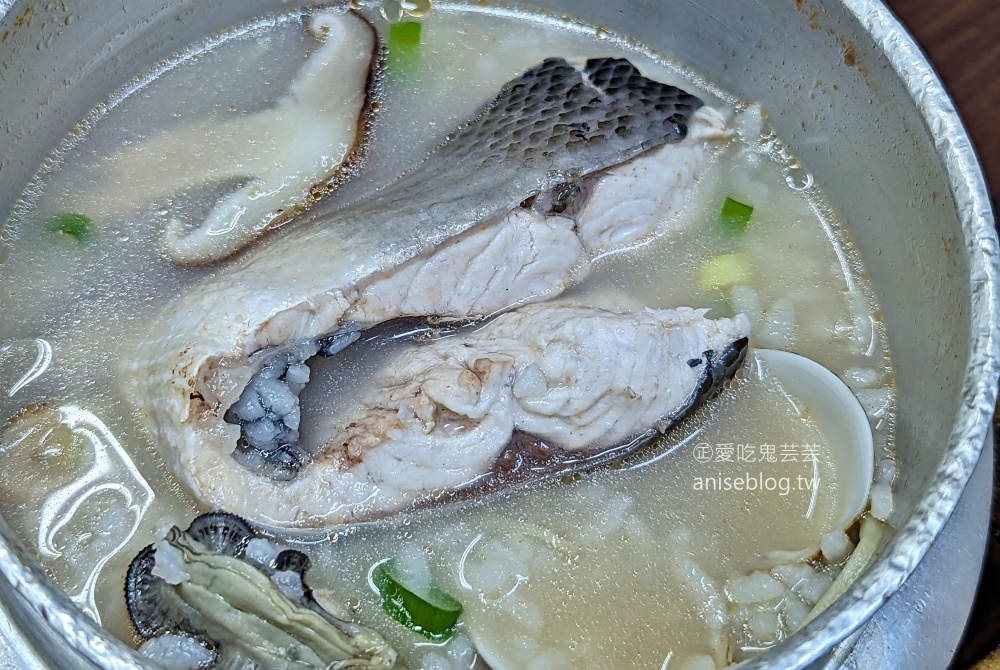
(848, 90)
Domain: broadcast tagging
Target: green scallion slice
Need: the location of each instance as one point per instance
(735, 215)
(78, 226)
(404, 47)
(428, 610)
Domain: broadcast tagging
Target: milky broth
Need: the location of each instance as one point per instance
(559, 574)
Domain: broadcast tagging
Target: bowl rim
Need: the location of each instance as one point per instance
(965, 443)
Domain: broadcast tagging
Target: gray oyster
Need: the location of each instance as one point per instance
(207, 584)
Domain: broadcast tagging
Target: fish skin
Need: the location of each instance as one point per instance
(555, 123)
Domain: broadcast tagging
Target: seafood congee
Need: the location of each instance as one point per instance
(396, 336)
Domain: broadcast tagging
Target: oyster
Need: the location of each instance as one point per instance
(209, 589)
(509, 210)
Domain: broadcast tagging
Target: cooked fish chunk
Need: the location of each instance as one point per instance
(647, 194)
(218, 377)
(523, 257)
(529, 256)
(575, 379)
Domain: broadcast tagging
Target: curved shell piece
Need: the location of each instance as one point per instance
(222, 532)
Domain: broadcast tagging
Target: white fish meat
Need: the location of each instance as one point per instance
(491, 220)
(556, 385)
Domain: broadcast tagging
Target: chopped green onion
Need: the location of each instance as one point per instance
(720, 272)
(77, 226)
(404, 47)
(735, 215)
(426, 610)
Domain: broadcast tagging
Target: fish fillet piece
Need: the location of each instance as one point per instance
(572, 381)
(647, 194)
(528, 256)
(524, 257)
(307, 139)
(532, 255)
(255, 323)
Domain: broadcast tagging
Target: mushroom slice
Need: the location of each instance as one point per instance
(278, 158)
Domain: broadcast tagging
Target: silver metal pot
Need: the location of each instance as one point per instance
(894, 157)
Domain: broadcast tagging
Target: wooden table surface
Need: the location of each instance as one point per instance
(962, 39)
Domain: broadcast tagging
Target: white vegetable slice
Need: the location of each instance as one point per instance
(864, 553)
(278, 155)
